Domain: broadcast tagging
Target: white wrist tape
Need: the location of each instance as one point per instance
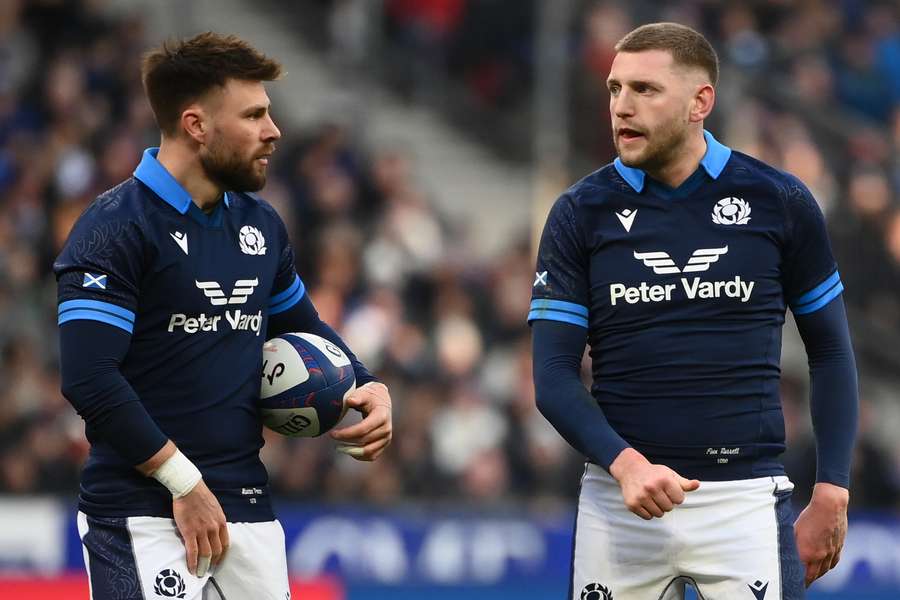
(178, 474)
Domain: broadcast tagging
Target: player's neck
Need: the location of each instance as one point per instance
(686, 161)
(184, 165)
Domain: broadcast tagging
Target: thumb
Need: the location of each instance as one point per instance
(688, 485)
(356, 400)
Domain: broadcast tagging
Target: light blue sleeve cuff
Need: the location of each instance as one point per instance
(558, 310)
(819, 296)
(96, 310)
(282, 301)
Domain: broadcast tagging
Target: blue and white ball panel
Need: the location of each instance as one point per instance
(329, 350)
(283, 368)
(305, 382)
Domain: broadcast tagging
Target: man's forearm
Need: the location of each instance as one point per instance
(833, 390)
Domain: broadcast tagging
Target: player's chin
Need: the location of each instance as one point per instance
(632, 157)
(256, 180)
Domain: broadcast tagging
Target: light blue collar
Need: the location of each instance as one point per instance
(713, 162)
(155, 176)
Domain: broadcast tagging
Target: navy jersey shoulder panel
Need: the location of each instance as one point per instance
(595, 187)
(561, 290)
(809, 270)
(106, 253)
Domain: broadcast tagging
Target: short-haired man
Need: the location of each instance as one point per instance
(677, 262)
(166, 385)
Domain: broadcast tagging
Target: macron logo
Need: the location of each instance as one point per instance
(181, 240)
(758, 588)
(626, 218)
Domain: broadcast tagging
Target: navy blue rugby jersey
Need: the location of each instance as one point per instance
(195, 292)
(683, 295)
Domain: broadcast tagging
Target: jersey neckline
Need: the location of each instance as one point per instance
(713, 162)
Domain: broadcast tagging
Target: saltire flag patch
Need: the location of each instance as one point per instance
(94, 281)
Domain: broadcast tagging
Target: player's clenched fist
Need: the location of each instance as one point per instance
(649, 490)
(367, 439)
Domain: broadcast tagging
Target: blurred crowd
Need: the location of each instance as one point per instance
(443, 328)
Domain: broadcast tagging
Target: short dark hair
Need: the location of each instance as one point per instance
(687, 46)
(180, 71)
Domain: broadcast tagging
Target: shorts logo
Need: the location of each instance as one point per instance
(595, 591)
(169, 584)
(731, 211)
(540, 279)
(252, 241)
(243, 288)
(758, 588)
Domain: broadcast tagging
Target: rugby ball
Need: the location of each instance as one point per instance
(305, 381)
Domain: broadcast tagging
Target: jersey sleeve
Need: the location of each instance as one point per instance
(810, 276)
(288, 288)
(560, 289)
(99, 270)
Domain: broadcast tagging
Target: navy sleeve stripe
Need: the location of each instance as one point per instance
(88, 314)
(561, 305)
(818, 291)
(98, 305)
(833, 293)
(282, 296)
(289, 301)
(553, 315)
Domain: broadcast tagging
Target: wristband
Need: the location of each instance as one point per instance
(178, 474)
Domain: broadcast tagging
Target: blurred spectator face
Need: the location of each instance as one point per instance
(813, 79)
(333, 192)
(65, 87)
(459, 345)
(235, 150)
(604, 26)
(650, 98)
(869, 194)
(391, 171)
(338, 261)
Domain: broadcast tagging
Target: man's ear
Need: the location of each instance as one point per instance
(195, 123)
(702, 103)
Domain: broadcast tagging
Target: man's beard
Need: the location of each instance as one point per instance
(663, 146)
(230, 171)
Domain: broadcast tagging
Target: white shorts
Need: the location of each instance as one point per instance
(729, 539)
(142, 558)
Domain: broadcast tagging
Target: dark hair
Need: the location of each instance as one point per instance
(687, 47)
(181, 71)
